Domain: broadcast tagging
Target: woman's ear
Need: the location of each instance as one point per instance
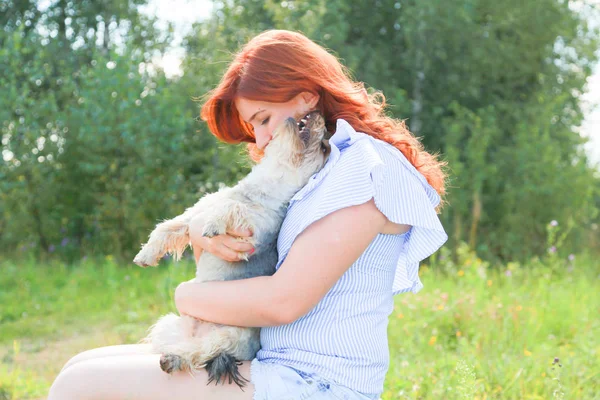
(310, 99)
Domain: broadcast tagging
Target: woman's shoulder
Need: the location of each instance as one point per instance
(352, 143)
(362, 154)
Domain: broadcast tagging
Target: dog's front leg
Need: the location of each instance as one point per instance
(229, 215)
(171, 236)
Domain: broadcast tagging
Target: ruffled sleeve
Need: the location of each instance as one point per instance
(361, 168)
(404, 196)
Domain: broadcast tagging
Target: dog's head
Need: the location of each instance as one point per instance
(301, 143)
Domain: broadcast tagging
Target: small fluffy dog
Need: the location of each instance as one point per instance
(259, 203)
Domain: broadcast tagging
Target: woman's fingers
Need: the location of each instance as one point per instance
(240, 232)
(227, 248)
(231, 247)
(237, 245)
(227, 254)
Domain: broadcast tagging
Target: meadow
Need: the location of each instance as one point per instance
(474, 332)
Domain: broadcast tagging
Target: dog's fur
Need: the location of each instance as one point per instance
(258, 202)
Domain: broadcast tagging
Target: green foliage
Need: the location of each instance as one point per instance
(98, 146)
(466, 387)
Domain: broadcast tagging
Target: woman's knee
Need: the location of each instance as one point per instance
(67, 384)
(106, 351)
(75, 359)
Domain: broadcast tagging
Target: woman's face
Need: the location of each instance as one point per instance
(265, 116)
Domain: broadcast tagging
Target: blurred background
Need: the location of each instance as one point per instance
(101, 140)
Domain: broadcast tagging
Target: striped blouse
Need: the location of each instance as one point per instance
(344, 337)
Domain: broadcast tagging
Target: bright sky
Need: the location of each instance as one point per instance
(591, 125)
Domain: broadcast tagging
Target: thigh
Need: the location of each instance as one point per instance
(120, 350)
(139, 377)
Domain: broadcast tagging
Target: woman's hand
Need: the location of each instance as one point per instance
(232, 247)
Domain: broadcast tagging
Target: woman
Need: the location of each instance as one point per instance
(352, 238)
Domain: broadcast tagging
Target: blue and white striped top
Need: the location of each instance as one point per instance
(344, 337)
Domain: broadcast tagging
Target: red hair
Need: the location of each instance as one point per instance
(277, 65)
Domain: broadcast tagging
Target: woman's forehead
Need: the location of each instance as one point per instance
(248, 108)
(249, 104)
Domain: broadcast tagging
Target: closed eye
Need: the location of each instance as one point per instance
(266, 120)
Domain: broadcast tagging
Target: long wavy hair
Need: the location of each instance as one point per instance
(277, 65)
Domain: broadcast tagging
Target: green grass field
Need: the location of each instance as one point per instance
(473, 332)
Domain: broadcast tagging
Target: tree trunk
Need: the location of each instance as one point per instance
(106, 38)
(476, 216)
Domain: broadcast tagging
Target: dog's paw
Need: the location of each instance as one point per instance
(146, 259)
(171, 362)
(225, 367)
(213, 228)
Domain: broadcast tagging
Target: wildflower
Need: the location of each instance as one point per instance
(571, 257)
(526, 352)
(64, 242)
(400, 316)
(554, 223)
(552, 250)
(556, 361)
(458, 334)
(519, 308)
(51, 248)
(460, 273)
(440, 307)
(508, 272)
(432, 340)
(489, 282)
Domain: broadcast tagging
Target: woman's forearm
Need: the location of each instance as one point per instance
(252, 302)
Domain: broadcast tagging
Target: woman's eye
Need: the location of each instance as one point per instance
(265, 121)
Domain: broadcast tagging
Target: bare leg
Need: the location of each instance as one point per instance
(107, 351)
(139, 377)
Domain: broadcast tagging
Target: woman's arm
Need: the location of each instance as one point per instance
(317, 259)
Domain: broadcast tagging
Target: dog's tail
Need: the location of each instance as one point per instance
(225, 366)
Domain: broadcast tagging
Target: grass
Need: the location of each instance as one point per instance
(473, 332)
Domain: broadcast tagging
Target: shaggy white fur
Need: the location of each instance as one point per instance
(258, 202)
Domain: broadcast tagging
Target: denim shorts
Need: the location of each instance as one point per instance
(279, 382)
